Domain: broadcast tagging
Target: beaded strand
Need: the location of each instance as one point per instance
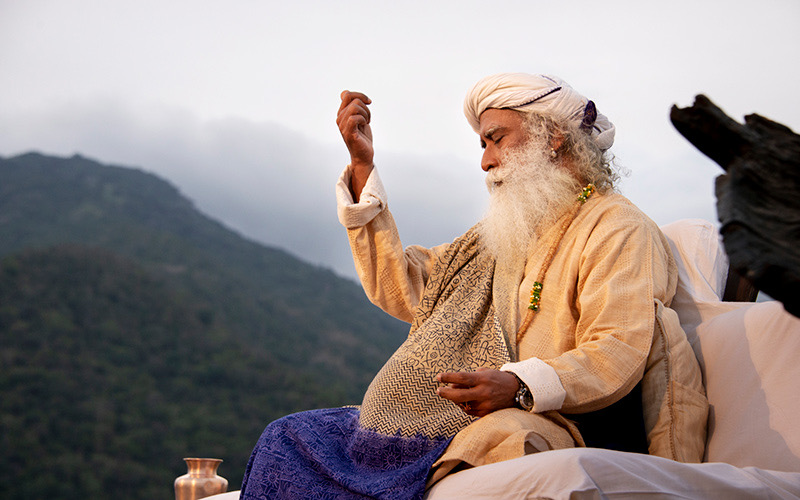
(536, 290)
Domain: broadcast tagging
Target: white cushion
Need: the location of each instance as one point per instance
(750, 358)
(702, 272)
(702, 263)
(748, 354)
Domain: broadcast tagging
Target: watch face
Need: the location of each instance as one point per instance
(527, 400)
(524, 398)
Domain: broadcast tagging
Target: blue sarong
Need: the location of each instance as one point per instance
(325, 454)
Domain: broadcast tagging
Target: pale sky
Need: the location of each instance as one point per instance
(234, 102)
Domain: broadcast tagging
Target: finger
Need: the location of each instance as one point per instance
(462, 378)
(356, 133)
(459, 395)
(467, 408)
(354, 123)
(348, 96)
(350, 125)
(459, 386)
(355, 108)
(347, 102)
(475, 408)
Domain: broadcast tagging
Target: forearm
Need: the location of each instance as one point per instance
(596, 376)
(359, 174)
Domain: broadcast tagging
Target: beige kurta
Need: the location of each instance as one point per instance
(603, 326)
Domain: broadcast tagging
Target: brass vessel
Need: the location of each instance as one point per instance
(201, 481)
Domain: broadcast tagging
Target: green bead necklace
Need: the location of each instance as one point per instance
(536, 290)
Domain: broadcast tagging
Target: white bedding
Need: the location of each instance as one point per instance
(750, 357)
(594, 473)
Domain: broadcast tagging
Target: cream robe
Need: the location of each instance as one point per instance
(604, 324)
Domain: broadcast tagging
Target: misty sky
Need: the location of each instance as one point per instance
(234, 102)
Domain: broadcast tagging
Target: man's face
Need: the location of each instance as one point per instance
(501, 131)
(528, 190)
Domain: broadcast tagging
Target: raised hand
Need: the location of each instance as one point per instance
(353, 121)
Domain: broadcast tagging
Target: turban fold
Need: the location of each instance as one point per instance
(542, 94)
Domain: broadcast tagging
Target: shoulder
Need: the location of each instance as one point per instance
(614, 212)
(610, 207)
(613, 220)
(618, 239)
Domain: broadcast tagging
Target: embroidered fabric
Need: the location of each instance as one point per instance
(325, 454)
(454, 329)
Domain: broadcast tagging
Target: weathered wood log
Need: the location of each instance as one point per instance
(758, 198)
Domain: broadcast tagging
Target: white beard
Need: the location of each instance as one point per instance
(528, 194)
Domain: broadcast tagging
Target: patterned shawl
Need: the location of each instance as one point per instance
(454, 329)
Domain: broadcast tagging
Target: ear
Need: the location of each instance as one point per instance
(557, 141)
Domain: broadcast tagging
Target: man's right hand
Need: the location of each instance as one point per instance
(353, 121)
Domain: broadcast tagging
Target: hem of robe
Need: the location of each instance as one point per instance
(504, 435)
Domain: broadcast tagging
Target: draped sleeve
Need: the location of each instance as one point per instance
(393, 278)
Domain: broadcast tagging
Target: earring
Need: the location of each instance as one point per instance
(553, 153)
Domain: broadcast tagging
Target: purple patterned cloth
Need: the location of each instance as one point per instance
(326, 454)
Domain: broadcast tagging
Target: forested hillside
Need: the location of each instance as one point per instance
(135, 331)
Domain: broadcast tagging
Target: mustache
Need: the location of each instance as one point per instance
(527, 193)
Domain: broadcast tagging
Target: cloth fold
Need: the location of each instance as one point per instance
(372, 201)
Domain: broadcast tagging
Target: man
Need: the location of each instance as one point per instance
(545, 326)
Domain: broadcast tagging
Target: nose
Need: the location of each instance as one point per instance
(489, 159)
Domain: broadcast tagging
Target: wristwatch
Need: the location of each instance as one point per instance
(524, 398)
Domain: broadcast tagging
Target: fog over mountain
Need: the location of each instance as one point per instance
(235, 102)
(276, 186)
(269, 183)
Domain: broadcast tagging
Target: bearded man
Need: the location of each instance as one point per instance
(545, 326)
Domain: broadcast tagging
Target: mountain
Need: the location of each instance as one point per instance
(135, 331)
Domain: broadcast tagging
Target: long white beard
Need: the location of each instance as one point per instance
(528, 194)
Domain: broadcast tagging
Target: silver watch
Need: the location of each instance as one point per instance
(524, 398)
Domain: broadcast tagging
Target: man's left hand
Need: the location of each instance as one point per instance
(479, 393)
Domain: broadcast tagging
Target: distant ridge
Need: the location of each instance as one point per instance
(134, 331)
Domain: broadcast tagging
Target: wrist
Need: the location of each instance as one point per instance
(523, 398)
(359, 173)
(360, 167)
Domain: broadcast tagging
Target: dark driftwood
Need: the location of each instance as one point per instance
(758, 198)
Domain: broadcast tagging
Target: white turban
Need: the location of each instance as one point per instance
(543, 94)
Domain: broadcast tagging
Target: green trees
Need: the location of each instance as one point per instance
(134, 331)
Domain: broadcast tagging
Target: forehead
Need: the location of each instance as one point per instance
(492, 119)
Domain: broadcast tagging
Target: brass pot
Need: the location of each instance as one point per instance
(201, 481)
